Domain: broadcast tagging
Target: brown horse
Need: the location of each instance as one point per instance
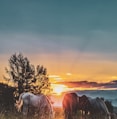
(70, 105)
(84, 104)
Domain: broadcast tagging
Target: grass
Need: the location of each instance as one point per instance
(15, 115)
(59, 114)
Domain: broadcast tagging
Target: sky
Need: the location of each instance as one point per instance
(74, 40)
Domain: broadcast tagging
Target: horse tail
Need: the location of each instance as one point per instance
(19, 103)
(51, 110)
(106, 110)
(104, 107)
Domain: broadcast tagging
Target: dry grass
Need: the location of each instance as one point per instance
(58, 115)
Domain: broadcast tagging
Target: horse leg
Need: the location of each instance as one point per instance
(65, 114)
(25, 110)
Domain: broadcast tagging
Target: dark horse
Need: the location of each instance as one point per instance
(70, 105)
(96, 107)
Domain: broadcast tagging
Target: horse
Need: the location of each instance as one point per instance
(70, 105)
(84, 104)
(39, 103)
(96, 107)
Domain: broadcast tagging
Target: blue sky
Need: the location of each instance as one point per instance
(82, 29)
(60, 22)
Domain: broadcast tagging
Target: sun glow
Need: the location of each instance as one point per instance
(58, 89)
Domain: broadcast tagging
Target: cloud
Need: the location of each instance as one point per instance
(87, 84)
(112, 84)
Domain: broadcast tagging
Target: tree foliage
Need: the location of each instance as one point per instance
(26, 76)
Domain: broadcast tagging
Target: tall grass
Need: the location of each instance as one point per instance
(59, 114)
(7, 116)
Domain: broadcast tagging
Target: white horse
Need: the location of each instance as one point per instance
(40, 103)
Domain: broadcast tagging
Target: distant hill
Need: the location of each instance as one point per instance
(6, 97)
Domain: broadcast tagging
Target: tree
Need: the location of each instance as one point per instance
(26, 76)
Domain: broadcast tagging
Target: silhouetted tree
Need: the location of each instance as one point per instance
(26, 76)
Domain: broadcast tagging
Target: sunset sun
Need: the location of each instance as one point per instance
(59, 89)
